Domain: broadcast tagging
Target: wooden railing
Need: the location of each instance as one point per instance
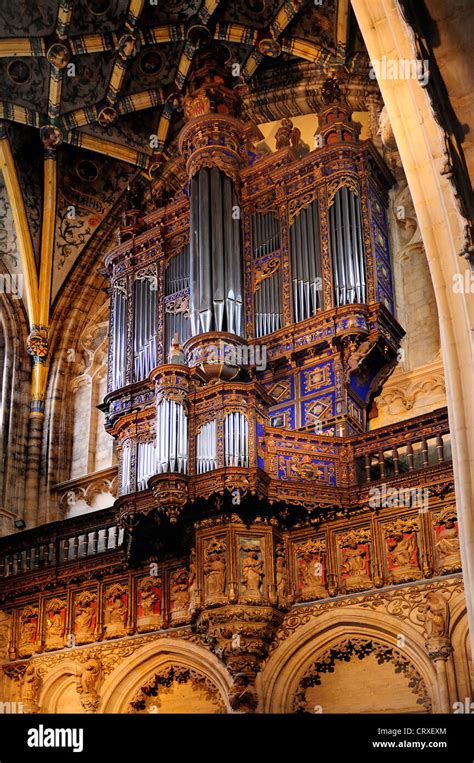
(402, 448)
(60, 542)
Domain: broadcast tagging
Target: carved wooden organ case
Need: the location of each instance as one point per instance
(252, 316)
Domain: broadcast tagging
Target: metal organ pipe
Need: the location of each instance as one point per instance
(206, 448)
(176, 287)
(347, 250)
(172, 437)
(306, 263)
(267, 298)
(146, 463)
(119, 338)
(215, 255)
(126, 465)
(144, 339)
(236, 440)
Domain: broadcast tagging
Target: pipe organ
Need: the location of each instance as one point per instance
(278, 257)
(126, 471)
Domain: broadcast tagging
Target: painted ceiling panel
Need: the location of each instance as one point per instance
(132, 129)
(91, 16)
(25, 81)
(254, 13)
(91, 185)
(20, 17)
(9, 257)
(27, 152)
(319, 27)
(169, 12)
(90, 81)
(154, 66)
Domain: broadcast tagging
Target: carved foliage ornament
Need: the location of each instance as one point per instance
(265, 270)
(165, 678)
(361, 648)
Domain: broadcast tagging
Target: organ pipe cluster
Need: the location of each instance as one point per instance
(215, 255)
(348, 261)
(144, 314)
(306, 263)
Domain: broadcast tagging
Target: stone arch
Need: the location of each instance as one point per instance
(81, 301)
(160, 658)
(461, 655)
(14, 408)
(58, 692)
(280, 680)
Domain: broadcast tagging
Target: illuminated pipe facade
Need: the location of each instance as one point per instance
(172, 437)
(144, 314)
(306, 263)
(347, 249)
(236, 434)
(206, 448)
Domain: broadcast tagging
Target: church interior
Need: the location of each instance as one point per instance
(235, 347)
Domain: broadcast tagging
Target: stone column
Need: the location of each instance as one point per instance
(420, 141)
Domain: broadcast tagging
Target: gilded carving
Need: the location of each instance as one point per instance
(116, 608)
(55, 623)
(149, 604)
(28, 631)
(215, 570)
(252, 570)
(85, 619)
(355, 559)
(311, 569)
(242, 697)
(402, 550)
(447, 548)
(179, 595)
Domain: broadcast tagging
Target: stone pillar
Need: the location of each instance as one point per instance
(420, 141)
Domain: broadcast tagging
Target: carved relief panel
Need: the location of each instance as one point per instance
(28, 631)
(253, 586)
(402, 549)
(215, 570)
(115, 610)
(310, 569)
(355, 552)
(447, 556)
(55, 623)
(85, 617)
(149, 603)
